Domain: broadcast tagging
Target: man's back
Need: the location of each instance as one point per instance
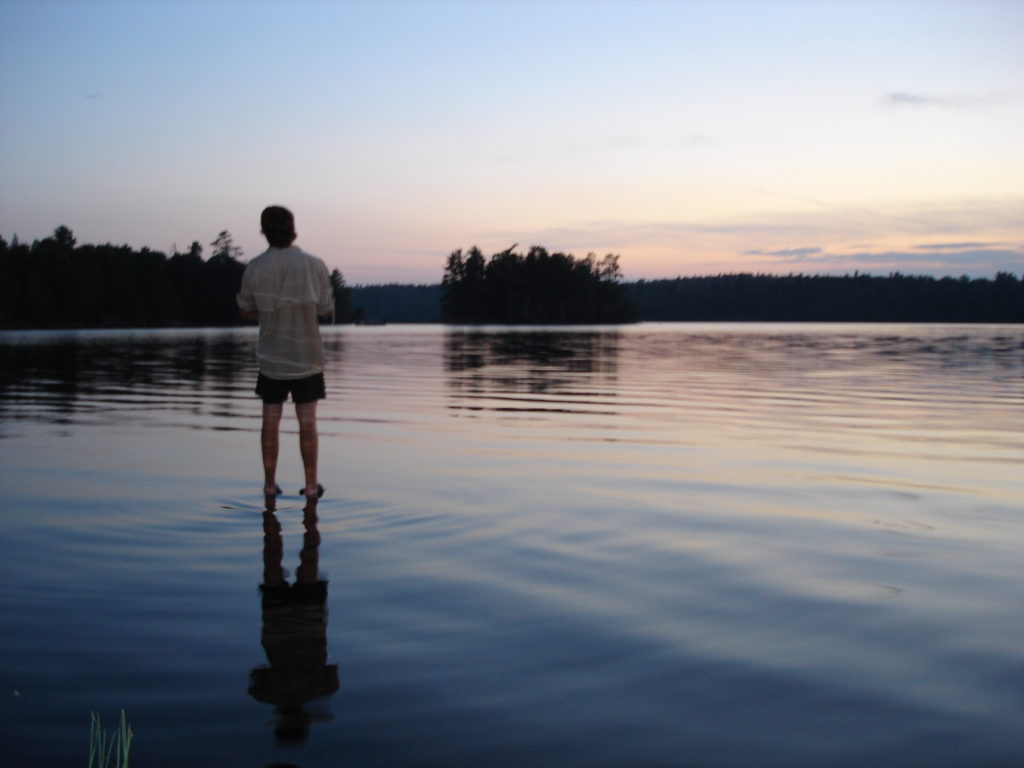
(290, 289)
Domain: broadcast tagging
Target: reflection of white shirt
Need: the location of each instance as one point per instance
(289, 288)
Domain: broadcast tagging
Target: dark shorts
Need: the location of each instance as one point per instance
(274, 391)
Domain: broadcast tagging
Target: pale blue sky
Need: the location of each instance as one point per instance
(689, 137)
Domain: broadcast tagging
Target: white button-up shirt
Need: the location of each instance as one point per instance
(290, 289)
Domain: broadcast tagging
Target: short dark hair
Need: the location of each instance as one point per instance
(278, 226)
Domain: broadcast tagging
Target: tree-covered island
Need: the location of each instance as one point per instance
(535, 288)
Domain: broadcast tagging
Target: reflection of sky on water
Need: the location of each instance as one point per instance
(814, 401)
(55, 374)
(904, 407)
(799, 543)
(113, 377)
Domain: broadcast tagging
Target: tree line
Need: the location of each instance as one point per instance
(396, 303)
(823, 298)
(777, 298)
(56, 283)
(774, 298)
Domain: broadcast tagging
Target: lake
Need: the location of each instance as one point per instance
(655, 545)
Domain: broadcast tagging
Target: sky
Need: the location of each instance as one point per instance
(689, 138)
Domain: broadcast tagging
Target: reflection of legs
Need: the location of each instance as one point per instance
(273, 550)
(309, 557)
(308, 444)
(270, 440)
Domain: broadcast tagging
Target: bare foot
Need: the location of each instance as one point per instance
(312, 493)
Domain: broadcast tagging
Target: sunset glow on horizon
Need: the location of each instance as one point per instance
(690, 138)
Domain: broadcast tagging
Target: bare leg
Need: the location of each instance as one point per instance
(309, 442)
(270, 441)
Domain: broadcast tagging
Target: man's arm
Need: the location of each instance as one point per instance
(246, 305)
(327, 294)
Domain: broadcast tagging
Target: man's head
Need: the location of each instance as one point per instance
(278, 226)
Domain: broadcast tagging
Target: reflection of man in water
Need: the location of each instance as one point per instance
(287, 289)
(294, 630)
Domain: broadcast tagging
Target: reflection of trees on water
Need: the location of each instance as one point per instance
(530, 370)
(64, 378)
(294, 634)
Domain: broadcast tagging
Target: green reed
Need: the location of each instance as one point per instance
(109, 750)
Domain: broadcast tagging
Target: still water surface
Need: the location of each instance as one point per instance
(661, 545)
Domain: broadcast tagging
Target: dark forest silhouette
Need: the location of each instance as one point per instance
(538, 287)
(397, 303)
(823, 298)
(55, 283)
(765, 298)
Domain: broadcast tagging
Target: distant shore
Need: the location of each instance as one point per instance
(55, 283)
(724, 298)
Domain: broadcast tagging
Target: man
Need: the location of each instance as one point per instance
(287, 290)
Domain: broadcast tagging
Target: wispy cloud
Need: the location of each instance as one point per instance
(940, 262)
(971, 236)
(912, 99)
(903, 98)
(951, 226)
(622, 235)
(697, 137)
(956, 246)
(796, 254)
